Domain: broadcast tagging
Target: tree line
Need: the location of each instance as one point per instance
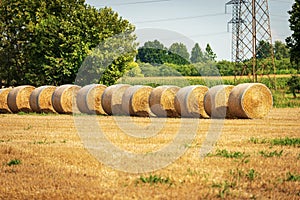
(55, 42)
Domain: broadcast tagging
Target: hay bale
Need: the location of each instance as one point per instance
(250, 100)
(41, 99)
(135, 101)
(216, 101)
(3, 100)
(64, 99)
(189, 101)
(112, 99)
(162, 101)
(89, 99)
(18, 98)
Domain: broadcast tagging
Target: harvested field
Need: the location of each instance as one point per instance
(42, 157)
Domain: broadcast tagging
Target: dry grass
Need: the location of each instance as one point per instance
(48, 161)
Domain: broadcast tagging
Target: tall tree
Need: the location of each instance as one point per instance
(264, 50)
(209, 54)
(180, 49)
(293, 42)
(281, 50)
(46, 41)
(153, 52)
(196, 54)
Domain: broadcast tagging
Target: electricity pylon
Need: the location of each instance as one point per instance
(251, 38)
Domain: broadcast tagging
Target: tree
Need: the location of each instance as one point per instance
(180, 49)
(281, 50)
(293, 41)
(196, 54)
(294, 84)
(152, 52)
(45, 42)
(264, 50)
(156, 53)
(209, 54)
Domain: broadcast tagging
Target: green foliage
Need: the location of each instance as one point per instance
(295, 142)
(154, 179)
(264, 50)
(292, 177)
(271, 154)
(197, 54)
(294, 84)
(226, 154)
(14, 162)
(224, 188)
(45, 42)
(180, 49)
(252, 174)
(293, 42)
(209, 55)
(281, 50)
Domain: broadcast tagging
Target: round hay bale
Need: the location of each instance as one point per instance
(64, 99)
(89, 99)
(135, 101)
(18, 99)
(162, 101)
(189, 101)
(3, 100)
(41, 99)
(216, 101)
(250, 100)
(112, 99)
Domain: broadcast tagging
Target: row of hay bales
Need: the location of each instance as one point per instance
(250, 100)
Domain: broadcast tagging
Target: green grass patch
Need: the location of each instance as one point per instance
(227, 154)
(269, 154)
(224, 188)
(14, 162)
(292, 177)
(154, 179)
(295, 142)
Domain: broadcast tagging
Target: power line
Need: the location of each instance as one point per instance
(136, 2)
(179, 18)
(281, 1)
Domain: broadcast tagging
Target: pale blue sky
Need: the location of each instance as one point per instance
(191, 21)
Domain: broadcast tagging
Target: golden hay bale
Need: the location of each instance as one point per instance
(41, 99)
(189, 101)
(64, 99)
(216, 101)
(18, 98)
(162, 101)
(250, 100)
(89, 99)
(112, 99)
(3, 100)
(135, 101)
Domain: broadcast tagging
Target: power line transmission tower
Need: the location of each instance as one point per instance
(251, 38)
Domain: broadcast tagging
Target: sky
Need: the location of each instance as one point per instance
(192, 21)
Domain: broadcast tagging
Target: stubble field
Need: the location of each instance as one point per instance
(43, 157)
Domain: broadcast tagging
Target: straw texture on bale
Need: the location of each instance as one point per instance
(3, 100)
(189, 101)
(41, 99)
(135, 101)
(162, 101)
(250, 100)
(216, 101)
(18, 98)
(64, 99)
(112, 99)
(89, 99)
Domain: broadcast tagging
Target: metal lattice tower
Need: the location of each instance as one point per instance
(250, 26)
